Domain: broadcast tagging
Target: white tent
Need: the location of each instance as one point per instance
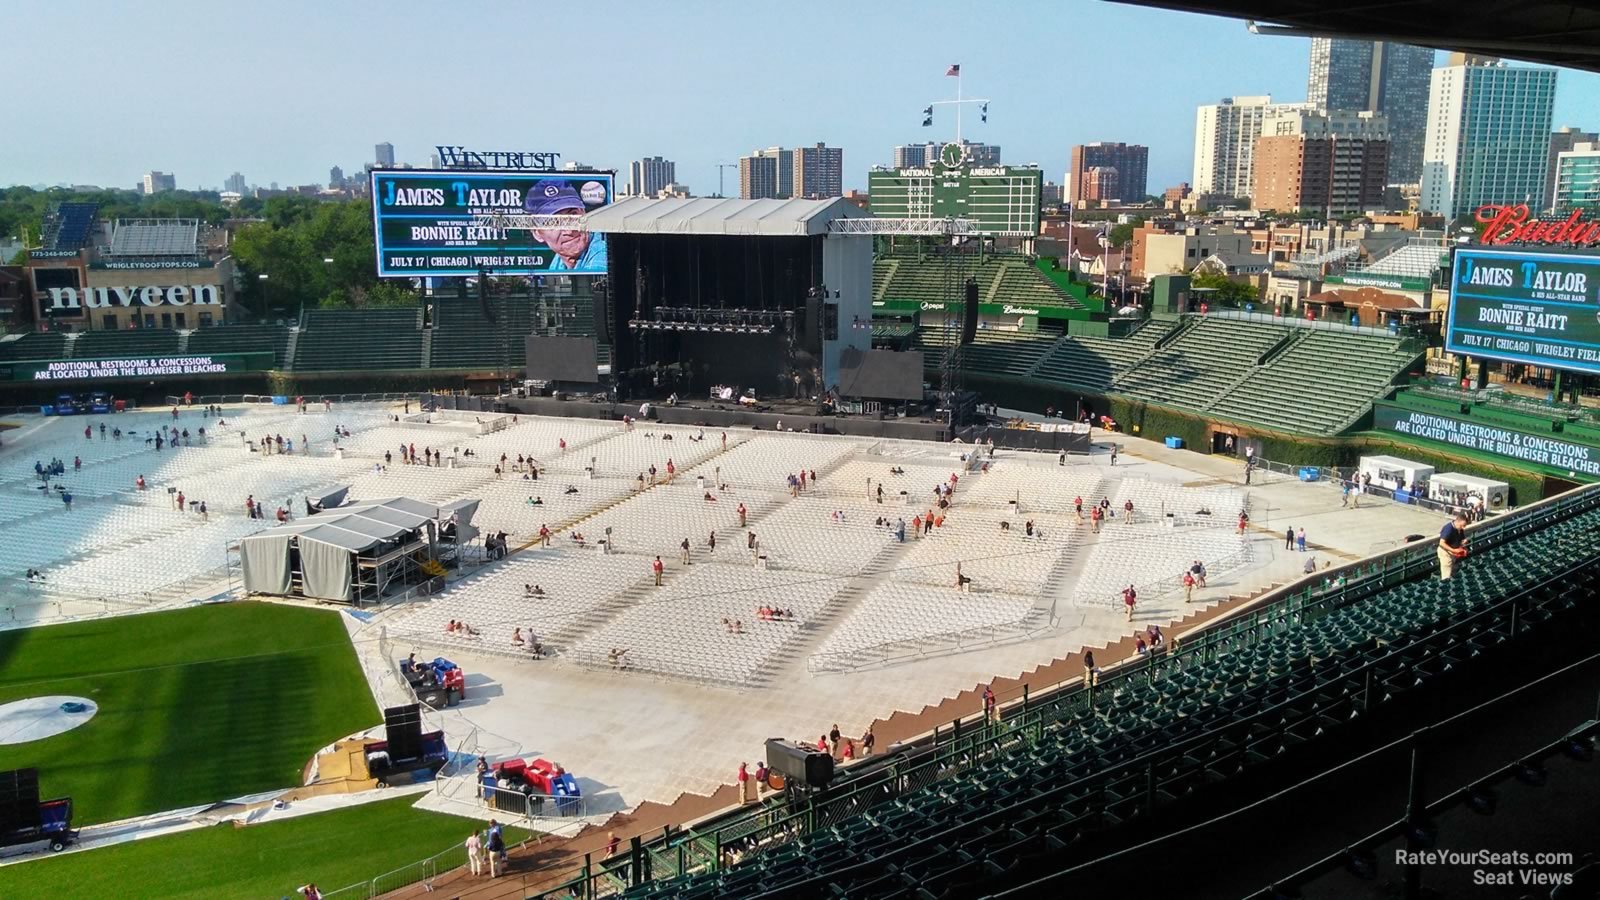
(348, 554)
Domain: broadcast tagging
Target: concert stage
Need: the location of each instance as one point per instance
(756, 294)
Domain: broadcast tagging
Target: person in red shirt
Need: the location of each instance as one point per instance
(657, 568)
(742, 513)
(822, 743)
(1188, 586)
(1094, 518)
(916, 526)
(544, 535)
(744, 783)
(1129, 597)
(849, 750)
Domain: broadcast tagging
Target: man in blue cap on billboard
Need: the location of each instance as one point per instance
(574, 250)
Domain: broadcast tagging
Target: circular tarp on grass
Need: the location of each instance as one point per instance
(37, 718)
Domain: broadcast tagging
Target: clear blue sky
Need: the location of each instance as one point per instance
(102, 91)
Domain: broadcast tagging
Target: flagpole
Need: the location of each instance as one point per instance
(959, 104)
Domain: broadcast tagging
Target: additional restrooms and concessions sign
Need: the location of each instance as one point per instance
(1518, 445)
(1529, 307)
(1514, 224)
(424, 222)
(134, 367)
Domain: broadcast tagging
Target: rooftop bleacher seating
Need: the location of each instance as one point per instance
(129, 342)
(359, 339)
(242, 339)
(155, 237)
(1410, 260)
(1081, 763)
(1294, 393)
(66, 225)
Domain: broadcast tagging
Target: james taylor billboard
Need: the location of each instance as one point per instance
(423, 222)
(1528, 307)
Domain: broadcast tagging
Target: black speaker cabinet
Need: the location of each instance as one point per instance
(800, 763)
(969, 313)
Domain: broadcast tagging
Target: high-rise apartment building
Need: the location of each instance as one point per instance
(156, 182)
(383, 154)
(1333, 162)
(235, 183)
(1488, 137)
(1225, 141)
(758, 176)
(775, 172)
(336, 177)
(1382, 77)
(1577, 178)
(915, 156)
(1562, 140)
(1129, 166)
(647, 177)
(818, 172)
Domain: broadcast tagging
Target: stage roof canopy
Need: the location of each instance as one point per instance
(359, 526)
(714, 215)
(1558, 32)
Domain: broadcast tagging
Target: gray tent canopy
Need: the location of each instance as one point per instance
(352, 554)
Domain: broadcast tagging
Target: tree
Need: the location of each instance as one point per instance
(1122, 235)
(1223, 291)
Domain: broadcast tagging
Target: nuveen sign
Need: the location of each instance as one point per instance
(107, 297)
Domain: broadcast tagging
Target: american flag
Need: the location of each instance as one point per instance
(954, 71)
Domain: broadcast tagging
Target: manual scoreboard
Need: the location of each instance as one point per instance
(997, 200)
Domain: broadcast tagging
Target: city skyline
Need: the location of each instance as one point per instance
(292, 128)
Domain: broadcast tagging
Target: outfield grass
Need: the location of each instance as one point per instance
(196, 705)
(269, 860)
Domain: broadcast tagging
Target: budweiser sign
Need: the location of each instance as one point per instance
(1515, 225)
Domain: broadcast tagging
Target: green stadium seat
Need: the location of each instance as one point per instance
(366, 339)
